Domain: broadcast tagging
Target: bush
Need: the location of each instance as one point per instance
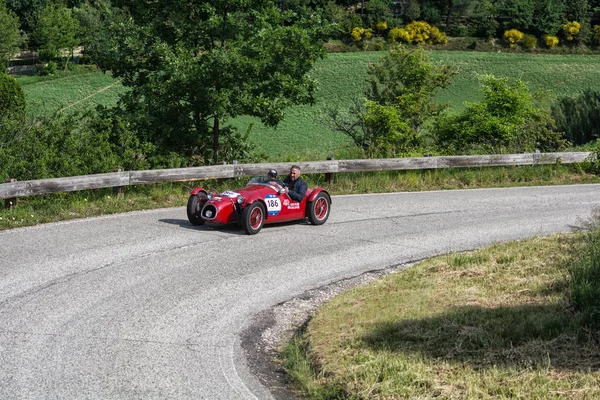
(528, 42)
(551, 41)
(419, 32)
(360, 34)
(505, 121)
(596, 37)
(571, 30)
(579, 117)
(12, 98)
(399, 35)
(48, 69)
(513, 36)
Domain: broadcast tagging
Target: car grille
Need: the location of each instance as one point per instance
(209, 212)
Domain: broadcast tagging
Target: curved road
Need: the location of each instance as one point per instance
(143, 305)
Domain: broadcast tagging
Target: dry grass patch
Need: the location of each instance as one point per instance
(494, 323)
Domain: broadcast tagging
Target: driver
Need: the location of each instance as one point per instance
(272, 177)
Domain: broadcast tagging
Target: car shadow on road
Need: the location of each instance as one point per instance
(229, 228)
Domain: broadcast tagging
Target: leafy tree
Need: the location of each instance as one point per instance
(193, 65)
(26, 10)
(506, 120)
(12, 98)
(56, 32)
(10, 37)
(515, 14)
(399, 101)
(579, 116)
(548, 17)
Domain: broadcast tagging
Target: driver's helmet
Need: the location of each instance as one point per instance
(272, 174)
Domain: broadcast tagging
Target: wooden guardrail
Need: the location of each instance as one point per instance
(15, 189)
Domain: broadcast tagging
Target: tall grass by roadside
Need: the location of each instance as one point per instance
(495, 323)
(63, 206)
(585, 278)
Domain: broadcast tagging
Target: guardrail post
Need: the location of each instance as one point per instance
(12, 202)
(329, 175)
(118, 191)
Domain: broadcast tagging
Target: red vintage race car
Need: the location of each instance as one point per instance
(262, 201)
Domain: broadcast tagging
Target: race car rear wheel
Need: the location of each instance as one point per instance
(318, 209)
(253, 218)
(194, 206)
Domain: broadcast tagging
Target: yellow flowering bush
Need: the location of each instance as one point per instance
(571, 30)
(381, 26)
(418, 32)
(551, 41)
(596, 38)
(359, 34)
(513, 36)
(399, 35)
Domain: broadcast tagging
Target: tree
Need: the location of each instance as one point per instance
(399, 101)
(56, 32)
(193, 65)
(548, 17)
(10, 36)
(12, 98)
(507, 119)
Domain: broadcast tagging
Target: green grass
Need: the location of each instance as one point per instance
(487, 324)
(302, 135)
(70, 91)
(342, 76)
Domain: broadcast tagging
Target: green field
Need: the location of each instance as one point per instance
(342, 76)
(69, 91)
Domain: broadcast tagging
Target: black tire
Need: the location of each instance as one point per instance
(253, 218)
(194, 206)
(318, 209)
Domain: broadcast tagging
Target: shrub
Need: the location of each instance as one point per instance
(381, 26)
(596, 37)
(360, 34)
(551, 41)
(579, 117)
(419, 32)
(505, 121)
(571, 30)
(513, 36)
(399, 35)
(12, 98)
(528, 42)
(48, 69)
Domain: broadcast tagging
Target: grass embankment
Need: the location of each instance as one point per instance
(341, 76)
(63, 206)
(494, 323)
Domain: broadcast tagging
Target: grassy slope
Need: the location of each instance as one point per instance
(486, 324)
(341, 76)
(78, 91)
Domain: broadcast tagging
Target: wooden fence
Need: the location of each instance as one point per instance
(11, 190)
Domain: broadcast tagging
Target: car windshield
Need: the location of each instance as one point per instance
(264, 181)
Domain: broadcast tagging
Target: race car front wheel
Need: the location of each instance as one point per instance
(253, 218)
(318, 209)
(194, 206)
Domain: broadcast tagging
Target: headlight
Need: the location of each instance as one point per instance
(240, 200)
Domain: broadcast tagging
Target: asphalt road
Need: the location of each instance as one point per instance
(144, 305)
